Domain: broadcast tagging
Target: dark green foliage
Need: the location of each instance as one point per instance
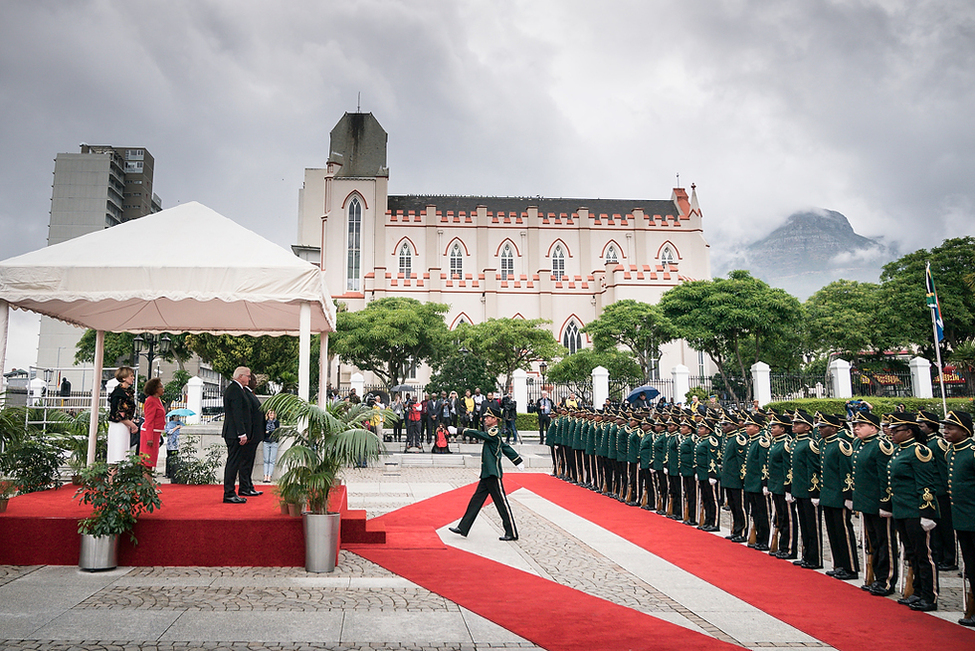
(190, 469)
(119, 494)
(33, 462)
(460, 371)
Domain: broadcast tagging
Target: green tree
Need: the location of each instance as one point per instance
(845, 317)
(575, 370)
(271, 356)
(902, 282)
(734, 320)
(640, 327)
(460, 371)
(174, 388)
(120, 349)
(389, 334)
(509, 344)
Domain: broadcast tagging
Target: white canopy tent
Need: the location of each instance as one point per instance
(185, 269)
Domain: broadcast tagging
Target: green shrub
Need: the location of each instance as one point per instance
(33, 462)
(190, 469)
(527, 422)
(880, 405)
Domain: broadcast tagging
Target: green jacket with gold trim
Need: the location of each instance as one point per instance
(805, 467)
(870, 459)
(837, 467)
(961, 484)
(912, 478)
(491, 451)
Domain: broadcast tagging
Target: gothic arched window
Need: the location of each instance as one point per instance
(611, 257)
(507, 263)
(405, 260)
(571, 337)
(353, 269)
(456, 261)
(667, 258)
(558, 263)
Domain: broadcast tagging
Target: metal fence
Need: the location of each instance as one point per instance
(791, 386)
(882, 384)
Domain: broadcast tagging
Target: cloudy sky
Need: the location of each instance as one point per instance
(864, 107)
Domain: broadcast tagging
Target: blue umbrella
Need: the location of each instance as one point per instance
(183, 411)
(649, 393)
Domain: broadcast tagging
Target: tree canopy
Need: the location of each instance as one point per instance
(575, 370)
(275, 357)
(640, 327)
(509, 344)
(847, 317)
(120, 349)
(389, 334)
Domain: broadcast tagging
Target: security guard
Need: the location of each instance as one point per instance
(491, 472)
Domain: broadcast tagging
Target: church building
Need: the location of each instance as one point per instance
(562, 260)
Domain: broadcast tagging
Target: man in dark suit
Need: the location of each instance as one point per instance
(254, 438)
(238, 422)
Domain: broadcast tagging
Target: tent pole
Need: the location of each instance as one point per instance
(4, 319)
(96, 388)
(304, 350)
(323, 371)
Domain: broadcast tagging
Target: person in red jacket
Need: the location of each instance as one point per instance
(154, 423)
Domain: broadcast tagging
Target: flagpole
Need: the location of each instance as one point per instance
(937, 352)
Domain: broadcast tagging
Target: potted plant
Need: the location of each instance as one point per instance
(119, 494)
(322, 442)
(8, 488)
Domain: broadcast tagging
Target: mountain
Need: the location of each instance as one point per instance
(810, 250)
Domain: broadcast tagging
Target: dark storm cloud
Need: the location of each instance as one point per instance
(860, 106)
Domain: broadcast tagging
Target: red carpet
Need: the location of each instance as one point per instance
(837, 613)
(550, 615)
(193, 527)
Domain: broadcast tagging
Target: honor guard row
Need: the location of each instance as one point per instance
(786, 476)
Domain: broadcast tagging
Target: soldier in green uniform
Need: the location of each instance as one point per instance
(755, 479)
(836, 497)
(912, 477)
(732, 466)
(592, 462)
(805, 488)
(961, 489)
(646, 461)
(706, 471)
(491, 472)
(633, 497)
(943, 536)
(622, 450)
(780, 486)
(688, 477)
(659, 462)
(871, 454)
(675, 494)
(551, 440)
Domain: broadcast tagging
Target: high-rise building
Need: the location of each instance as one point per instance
(97, 188)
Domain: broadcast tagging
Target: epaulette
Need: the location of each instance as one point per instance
(741, 438)
(923, 452)
(813, 446)
(764, 442)
(789, 445)
(846, 448)
(886, 447)
(943, 444)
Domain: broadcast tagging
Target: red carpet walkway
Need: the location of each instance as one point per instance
(837, 613)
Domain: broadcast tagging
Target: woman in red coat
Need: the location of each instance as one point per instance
(155, 422)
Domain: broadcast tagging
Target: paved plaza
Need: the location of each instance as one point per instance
(363, 606)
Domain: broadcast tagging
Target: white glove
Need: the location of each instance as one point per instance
(886, 514)
(713, 481)
(789, 498)
(815, 501)
(848, 504)
(452, 430)
(928, 524)
(652, 471)
(765, 491)
(520, 466)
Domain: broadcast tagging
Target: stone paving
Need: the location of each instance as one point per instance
(361, 606)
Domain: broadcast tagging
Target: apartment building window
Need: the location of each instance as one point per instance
(354, 260)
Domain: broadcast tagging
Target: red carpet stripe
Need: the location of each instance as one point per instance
(835, 612)
(550, 615)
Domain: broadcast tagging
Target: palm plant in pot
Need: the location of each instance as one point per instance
(322, 442)
(119, 494)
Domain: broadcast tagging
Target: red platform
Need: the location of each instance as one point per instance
(193, 527)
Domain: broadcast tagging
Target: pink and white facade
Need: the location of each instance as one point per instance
(558, 259)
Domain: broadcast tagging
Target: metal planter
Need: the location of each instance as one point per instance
(98, 553)
(321, 541)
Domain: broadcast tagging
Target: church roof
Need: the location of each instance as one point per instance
(419, 202)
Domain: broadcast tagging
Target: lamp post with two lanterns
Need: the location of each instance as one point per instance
(147, 345)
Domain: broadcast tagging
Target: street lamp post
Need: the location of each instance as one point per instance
(543, 369)
(147, 345)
